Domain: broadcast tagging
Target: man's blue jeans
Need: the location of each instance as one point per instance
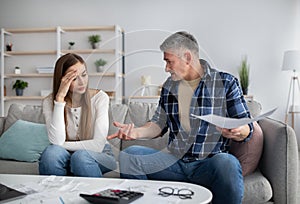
(56, 160)
(222, 173)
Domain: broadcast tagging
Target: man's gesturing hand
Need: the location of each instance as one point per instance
(125, 132)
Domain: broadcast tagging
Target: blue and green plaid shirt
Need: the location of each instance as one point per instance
(218, 93)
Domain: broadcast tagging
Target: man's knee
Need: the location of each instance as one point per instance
(135, 150)
(225, 161)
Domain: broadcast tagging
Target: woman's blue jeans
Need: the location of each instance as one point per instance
(222, 173)
(56, 160)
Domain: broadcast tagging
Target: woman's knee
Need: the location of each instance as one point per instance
(81, 157)
(54, 160)
(54, 153)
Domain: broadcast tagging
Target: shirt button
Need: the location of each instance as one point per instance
(75, 109)
(76, 117)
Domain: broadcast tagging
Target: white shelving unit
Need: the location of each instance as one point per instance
(34, 47)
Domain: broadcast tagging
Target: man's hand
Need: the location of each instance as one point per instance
(125, 132)
(237, 134)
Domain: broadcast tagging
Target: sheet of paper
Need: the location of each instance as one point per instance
(51, 190)
(229, 123)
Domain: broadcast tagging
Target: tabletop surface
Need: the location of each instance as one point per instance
(63, 189)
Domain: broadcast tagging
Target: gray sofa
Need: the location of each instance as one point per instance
(274, 181)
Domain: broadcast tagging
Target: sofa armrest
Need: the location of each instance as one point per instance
(279, 162)
(2, 122)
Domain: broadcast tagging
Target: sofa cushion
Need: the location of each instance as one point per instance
(249, 153)
(24, 141)
(2, 122)
(139, 114)
(279, 161)
(18, 167)
(254, 108)
(117, 112)
(30, 113)
(257, 189)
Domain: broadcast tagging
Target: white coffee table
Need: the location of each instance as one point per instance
(56, 189)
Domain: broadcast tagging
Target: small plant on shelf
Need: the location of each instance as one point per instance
(20, 85)
(17, 70)
(94, 40)
(71, 45)
(100, 63)
(9, 46)
(244, 76)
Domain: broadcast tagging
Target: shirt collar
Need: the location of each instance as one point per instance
(206, 68)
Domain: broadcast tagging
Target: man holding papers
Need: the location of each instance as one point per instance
(197, 151)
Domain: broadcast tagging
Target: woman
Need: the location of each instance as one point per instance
(77, 123)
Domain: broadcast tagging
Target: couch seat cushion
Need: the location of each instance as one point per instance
(257, 188)
(18, 167)
(24, 141)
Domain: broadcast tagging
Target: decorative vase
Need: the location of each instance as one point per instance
(19, 92)
(95, 45)
(17, 70)
(245, 91)
(100, 68)
(9, 47)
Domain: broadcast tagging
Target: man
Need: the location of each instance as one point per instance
(197, 150)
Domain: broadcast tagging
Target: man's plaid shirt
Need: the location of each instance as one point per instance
(218, 93)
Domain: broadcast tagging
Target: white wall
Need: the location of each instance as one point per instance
(226, 30)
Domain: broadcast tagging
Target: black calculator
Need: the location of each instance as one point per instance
(112, 196)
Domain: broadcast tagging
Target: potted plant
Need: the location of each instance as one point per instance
(94, 40)
(17, 70)
(100, 63)
(9, 46)
(71, 45)
(20, 85)
(244, 76)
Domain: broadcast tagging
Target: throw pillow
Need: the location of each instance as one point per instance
(32, 113)
(249, 153)
(24, 141)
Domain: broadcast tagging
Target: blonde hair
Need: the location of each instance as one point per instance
(61, 66)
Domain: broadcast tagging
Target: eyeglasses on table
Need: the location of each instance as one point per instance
(182, 193)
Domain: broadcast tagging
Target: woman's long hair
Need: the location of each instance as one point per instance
(61, 66)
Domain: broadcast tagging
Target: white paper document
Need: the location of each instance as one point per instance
(229, 123)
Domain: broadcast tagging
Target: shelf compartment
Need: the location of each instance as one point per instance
(144, 97)
(92, 28)
(37, 75)
(33, 30)
(9, 98)
(106, 74)
(50, 52)
(90, 51)
(33, 75)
